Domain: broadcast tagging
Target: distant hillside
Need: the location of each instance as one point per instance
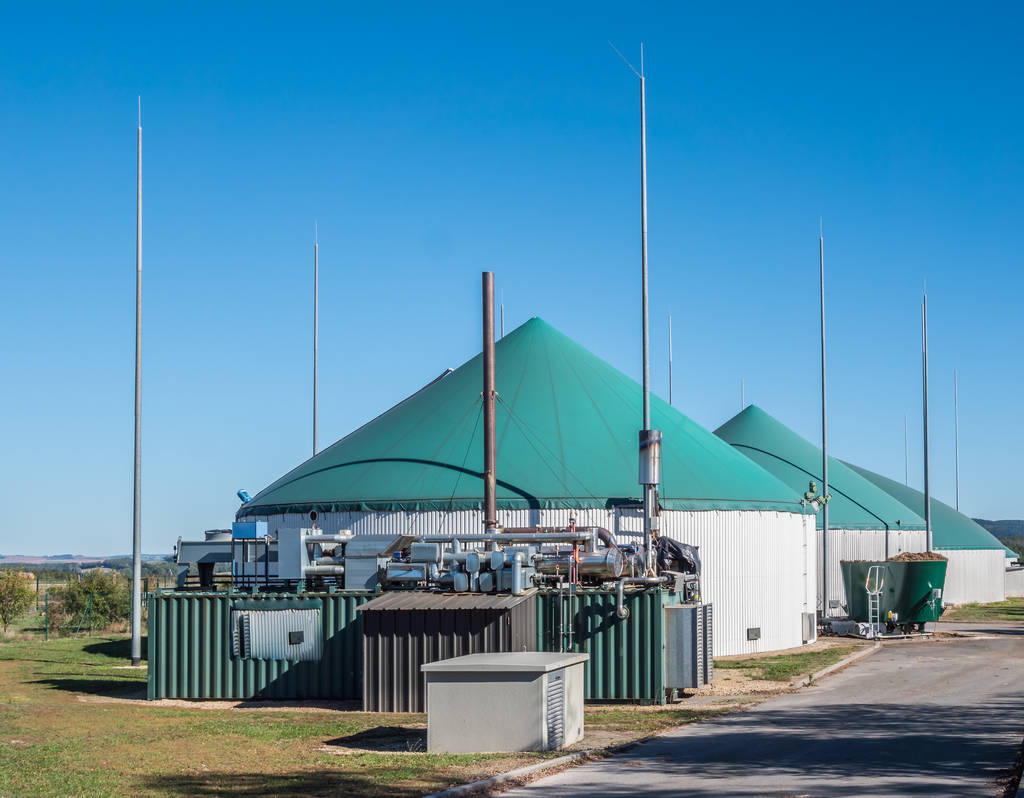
(1003, 529)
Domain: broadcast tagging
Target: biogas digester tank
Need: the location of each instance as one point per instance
(908, 591)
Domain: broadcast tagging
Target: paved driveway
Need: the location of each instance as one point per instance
(936, 718)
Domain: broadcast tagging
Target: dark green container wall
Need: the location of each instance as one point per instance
(189, 650)
(907, 589)
(627, 657)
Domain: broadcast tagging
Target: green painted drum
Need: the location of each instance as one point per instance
(908, 590)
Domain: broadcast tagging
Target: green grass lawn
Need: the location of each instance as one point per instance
(59, 736)
(787, 667)
(1010, 610)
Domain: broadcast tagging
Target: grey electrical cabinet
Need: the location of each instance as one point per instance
(525, 701)
(689, 659)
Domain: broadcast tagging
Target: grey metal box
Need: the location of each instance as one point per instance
(525, 701)
(689, 657)
(810, 626)
(292, 556)
(363, 560)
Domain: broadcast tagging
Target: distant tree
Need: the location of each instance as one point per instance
(16, 596)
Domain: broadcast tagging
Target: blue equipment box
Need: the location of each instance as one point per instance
(249, 529)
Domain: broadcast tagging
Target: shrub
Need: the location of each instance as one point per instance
(111, 599)
(16, 596)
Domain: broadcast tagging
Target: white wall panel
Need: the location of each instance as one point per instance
(1014, 582)
(754, 572)
(974, 575)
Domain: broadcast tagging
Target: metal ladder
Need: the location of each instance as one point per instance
(873, 585)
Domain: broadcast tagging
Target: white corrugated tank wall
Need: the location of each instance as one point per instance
(1014, 582)
(754, 563)
(859, 544)
(974, 576)
(754, 573)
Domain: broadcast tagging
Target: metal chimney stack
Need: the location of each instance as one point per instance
(490, 452)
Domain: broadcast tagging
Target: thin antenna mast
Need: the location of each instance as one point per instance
(670, 358)
(136, 645)
(956, 425)
(650, 440)
(316, 327)
(906, 450)
(824, 427)
(924, 385)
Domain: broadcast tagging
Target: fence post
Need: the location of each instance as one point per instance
(47, 621)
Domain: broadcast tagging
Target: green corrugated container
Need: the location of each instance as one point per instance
(189, 649)
(906, 590)
(627, 656)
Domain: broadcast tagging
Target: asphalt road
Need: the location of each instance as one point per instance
(936, 718)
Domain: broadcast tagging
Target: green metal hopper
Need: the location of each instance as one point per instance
(911, 591)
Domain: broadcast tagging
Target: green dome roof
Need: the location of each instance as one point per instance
(856, 502)
(567, 425)
(950, 529)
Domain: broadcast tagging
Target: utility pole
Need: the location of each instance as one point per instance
(924, 385)
(824, 426)
(650, 439)
(316, 326)
(670, 358)
(956, 425)
(136, 645)
(906, 451)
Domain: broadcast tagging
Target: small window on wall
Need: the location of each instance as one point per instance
(293, 635)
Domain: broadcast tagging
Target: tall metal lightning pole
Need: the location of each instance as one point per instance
(956, 427)
(316, 326)
(906, 450)
(670, 359)
(824, 426)
(136, 647)
(650, 440)
(643, 241)
(924, 385)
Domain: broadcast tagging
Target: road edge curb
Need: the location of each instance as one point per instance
(501, 778)
(867, 652)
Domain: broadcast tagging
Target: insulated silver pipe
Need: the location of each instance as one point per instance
(580, 536)
(620, 606)
(323, 570)
(339, 538)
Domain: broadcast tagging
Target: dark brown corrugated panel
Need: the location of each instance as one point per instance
(189, 650)
(397, 642)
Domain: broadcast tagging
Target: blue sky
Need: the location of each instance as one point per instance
(433, 143)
